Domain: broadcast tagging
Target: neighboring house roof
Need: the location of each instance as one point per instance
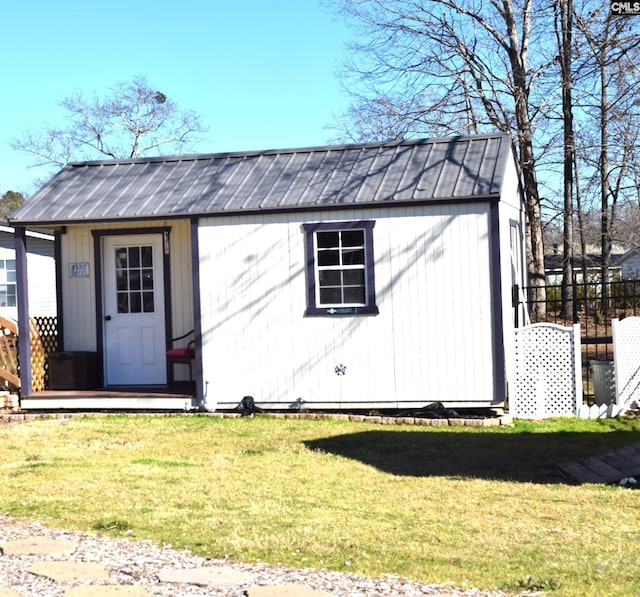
(553, 263)
(464, 168)
(632, 254)
(30, 233)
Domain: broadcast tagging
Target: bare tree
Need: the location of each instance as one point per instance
(564, 35)
(450, 66)
(134, 120)
(609, 85)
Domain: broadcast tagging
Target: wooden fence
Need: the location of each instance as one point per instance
(44, 339)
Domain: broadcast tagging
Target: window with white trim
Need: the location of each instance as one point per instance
(340, 272)
(7, 283)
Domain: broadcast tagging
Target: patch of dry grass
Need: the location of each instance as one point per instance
(475, 507)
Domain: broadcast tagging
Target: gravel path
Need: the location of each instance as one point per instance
(139, 563)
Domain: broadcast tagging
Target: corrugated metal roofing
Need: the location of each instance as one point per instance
(454, 168)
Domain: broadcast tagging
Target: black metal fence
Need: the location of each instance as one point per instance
(593, 305)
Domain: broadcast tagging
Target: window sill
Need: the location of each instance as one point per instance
(340, 311)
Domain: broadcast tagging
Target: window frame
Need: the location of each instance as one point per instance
(135, 279)
(5, 281)
(314, 308)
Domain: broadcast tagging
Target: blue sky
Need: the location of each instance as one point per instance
(261, 73)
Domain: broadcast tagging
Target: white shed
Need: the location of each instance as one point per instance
(338, 277)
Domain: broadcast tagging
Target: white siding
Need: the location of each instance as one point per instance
(432, 340)
(181, 279)
(41, 269)
(41, 273)
(630, 265)
(78, 294)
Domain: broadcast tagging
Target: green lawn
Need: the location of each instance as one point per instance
(463, 506)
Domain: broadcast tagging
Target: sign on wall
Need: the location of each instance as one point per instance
(79, 270)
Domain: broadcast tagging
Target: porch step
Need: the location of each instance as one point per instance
(108, 402)
(609, 467)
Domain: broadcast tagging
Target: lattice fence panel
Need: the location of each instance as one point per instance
(548, 375)
(626, 356)
(44, 339)
(9, 379)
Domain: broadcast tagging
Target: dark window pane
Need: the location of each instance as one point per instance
(134, 279)
(353, 257)
(147, 279)
(328, 258)
(8, 295)
(136, 302)
(330, 296)
(353, 277)
(330, 277)
(123, 302)
(121, 281)
(352, 238)
(121, 258)
(134, 256)
(11, 264)
(327, 239)
(354, 294)
(147, 256)
(147, 302)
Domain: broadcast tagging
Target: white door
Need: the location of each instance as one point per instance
(133, 295)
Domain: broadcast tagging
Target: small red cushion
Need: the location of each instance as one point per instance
(181, 353)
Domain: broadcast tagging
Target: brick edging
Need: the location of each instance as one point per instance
(506, 420)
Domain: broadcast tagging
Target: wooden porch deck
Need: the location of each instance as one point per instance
(606, 468)
(125, 399)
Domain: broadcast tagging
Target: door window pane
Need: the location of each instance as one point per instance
(134, 256)
(147, 256)
(135, 302)
(147, 302)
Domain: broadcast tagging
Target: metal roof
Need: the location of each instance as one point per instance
(453, 168)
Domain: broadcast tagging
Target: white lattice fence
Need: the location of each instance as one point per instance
(626, 356)
(548, 373)
(625, 371)
(604, 388)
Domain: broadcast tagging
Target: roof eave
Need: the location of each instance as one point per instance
(312, 207)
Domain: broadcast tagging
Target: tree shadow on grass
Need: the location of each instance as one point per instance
(524, 457)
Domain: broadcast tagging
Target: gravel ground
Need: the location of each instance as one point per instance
(139, 562)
